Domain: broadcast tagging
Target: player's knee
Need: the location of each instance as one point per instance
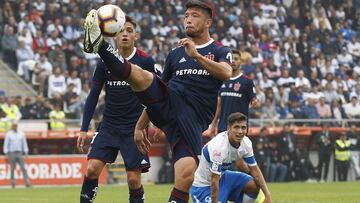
(251, 188)
(93, 170)
(140, 79)
(134, 181)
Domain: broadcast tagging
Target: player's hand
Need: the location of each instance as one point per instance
(157, 133)
(189, 47)
(81, 141)
(267, 199)
(141, 140)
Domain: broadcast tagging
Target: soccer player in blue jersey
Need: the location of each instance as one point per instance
(235, 95)
(214, 183)
(116, 131)
(183, 102)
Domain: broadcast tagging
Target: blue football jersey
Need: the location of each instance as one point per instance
(186, 77)
(122, 107)
(236, 95)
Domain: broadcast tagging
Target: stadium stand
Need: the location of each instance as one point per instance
(302, 55)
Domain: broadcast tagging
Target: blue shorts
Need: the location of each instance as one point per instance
(172, 113)
(106, 144)
(231, 186)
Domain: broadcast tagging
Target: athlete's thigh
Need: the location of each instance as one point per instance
(156, 98)
(232, 184)
(133, 158)
(103, 145)
(200, 194)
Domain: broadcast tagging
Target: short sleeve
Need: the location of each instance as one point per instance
(168, 68)
(224, 54)
(249, 153)
(214, 157)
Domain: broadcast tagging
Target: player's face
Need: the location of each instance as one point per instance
(237, 131)
(196, 22)
(236, 62)
(127, 37)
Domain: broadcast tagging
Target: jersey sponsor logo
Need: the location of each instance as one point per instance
(237, 86)
(216, 154)
(117, 83)
(182, 60)
(192, 72)
(230, 94)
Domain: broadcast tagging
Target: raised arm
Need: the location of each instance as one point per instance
(220, 70)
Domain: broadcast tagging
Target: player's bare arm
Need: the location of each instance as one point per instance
(260, 181)
(219, 70)
(213, 128)
(214, 185)
(140, 135)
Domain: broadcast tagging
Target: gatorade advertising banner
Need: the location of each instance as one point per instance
(49, 170)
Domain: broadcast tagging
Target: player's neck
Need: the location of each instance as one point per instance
(236, 73)
(126, 52)
(201, 39)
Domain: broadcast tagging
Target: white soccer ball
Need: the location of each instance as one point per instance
(111, 19)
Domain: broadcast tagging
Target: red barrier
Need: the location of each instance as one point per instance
(49, 170)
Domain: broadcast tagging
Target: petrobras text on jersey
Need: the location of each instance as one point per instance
(117, 83)
(231, 94)
(192, 72)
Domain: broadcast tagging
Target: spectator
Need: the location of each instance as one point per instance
(323, 108)
(15, 147)
(352, 109)
(309, 109)
(342, 156)
(57, 117)
(56, 84)
(75, 80)
(325, 143)
(289, 150)
(11, 110)
(278, 169)
(9, 45)
(26, 109)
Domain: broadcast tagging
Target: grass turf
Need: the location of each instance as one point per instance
(348, 192)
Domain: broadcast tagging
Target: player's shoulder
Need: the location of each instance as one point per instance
(100, 64)
(246, 142)
(218, 140)
(142, 53)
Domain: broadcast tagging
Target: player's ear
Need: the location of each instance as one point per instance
(137, 35)
(208, 22)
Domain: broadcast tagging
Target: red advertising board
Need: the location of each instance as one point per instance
(49, 170)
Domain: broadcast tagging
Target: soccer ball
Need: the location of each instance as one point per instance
(111, 20)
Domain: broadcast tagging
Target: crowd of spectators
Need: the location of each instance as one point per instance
(303, 55)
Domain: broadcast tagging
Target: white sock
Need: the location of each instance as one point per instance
(248, 199)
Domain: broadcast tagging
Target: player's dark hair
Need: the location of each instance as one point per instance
(236, 117)
(131, 21)
(235, 51)
(199, 4)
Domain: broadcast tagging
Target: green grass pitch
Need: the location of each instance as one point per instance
(348, 192)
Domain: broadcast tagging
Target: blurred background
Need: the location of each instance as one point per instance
(303, 56)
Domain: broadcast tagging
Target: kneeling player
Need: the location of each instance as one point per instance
(213, 183)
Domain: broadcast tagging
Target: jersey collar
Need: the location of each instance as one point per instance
(236, 77)
(132, 54)
(204, 45)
